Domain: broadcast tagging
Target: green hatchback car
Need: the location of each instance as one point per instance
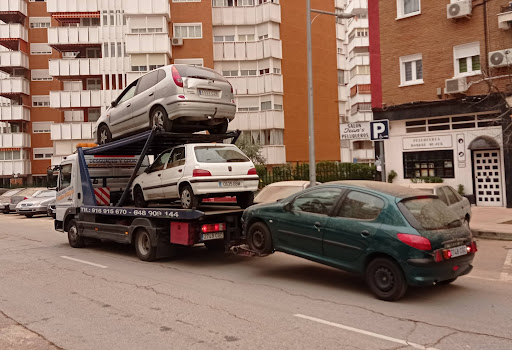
(392, 235)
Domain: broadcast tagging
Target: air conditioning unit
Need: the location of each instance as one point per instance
(501, 58)
(456, 85)
(458, 9)
(177, 41)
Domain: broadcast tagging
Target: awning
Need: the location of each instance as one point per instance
(65, 15)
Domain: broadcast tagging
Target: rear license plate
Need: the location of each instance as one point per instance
(229, 183)
(458, 251)
(209, 93)
(213, 235)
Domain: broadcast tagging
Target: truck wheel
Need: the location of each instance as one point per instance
(215, 246)
(245, 199)
(221, 128)
(160, 118)
(104, 135)
(386, 279)
(144, 247)
(73, 237)
(138, 197)
(188, 199)
(259, 238)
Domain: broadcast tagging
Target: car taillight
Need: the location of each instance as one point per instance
(201, 172)
(252, 171)
(415, 241)
(25, 198)
(472, 247)
(213, 228)
(176, 77)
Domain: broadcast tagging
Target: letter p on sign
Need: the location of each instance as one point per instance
(379, 130)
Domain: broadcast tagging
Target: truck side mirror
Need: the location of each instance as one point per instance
(50, 178)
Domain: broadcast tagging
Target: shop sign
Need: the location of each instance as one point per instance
(427, 142)
(355, 131)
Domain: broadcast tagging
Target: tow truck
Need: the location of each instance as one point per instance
(94, 202)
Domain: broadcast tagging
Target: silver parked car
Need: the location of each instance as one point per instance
(5, 199)
(21, 196)
(38, 204)
(176, 97)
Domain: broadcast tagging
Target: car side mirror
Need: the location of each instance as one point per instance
(288, 206)
(113, 103)
(147, 170)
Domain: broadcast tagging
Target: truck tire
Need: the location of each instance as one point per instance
(188, 199)
(259, 238)
(160, 118)
(138, 197)
(245, 199)
(386, 279)
(144, 246)
(104, 135)
(74, 238)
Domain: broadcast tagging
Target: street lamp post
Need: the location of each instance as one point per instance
(311, 111)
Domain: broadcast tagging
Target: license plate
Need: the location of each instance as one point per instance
(209, 93)
(458, 251)
(230, 183)
(213, 235)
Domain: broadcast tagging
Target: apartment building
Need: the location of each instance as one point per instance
(441, 75)
(64, 61)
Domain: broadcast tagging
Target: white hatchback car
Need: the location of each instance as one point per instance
(195, 171)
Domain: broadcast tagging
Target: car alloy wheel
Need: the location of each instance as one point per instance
(104, 135)
(188, 199)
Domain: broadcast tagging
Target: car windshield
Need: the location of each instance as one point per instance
(432, 214)
(45, 194)
(219, 154)
(9, 193)
(200, 73)
(274, 193)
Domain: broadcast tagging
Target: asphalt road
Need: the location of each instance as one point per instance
(53, 296)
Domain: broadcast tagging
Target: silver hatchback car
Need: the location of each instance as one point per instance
(177, 97)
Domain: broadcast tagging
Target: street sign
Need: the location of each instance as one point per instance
(379, 130)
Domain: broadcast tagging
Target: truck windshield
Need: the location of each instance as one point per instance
(219, 154)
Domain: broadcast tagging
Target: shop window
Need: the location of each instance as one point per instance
(428, 163)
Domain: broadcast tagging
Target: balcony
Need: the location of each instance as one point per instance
(54, 6)
(72, 38)
(9, 60)
(75, 99)
(254, 85)
(359, 59)
(71, 131)
(147, 7)
(148, 43)
(342, 93)
(258, 120)
(11, 35)
(83, 67)
(15, 140)
(11, 167)
(361, 116)
(361, 98)
(355, 6)
(14, 113)
(360, 23)
(358, 42)
(13, 11)
(240, 51)
(274, 154)
(14, 86)
(342, 62)
(252, 15)
(505, 17)
(360, 79)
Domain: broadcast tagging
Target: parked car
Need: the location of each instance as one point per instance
(52, 209)
(392, 235)
(279, 190)
(5, 199)
(21, 196)
(176, 97)
(37, 204)
(450, 197)
(195, 171)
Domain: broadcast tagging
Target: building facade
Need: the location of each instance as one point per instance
(63, 62)
(441, 75)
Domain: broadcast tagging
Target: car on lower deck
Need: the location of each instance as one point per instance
(195, 171)
(393, 236)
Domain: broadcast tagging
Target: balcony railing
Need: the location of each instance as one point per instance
(15, 140)
(250, 15)
(75, 99)
(54, 6)
(13, 11)
(260, 120)
(14, 113)
(13, 59)
(14, 167)
(253, 85)
(147, 7)
(74, 67)
(505, 17)
(71, 131)
(14, 86)
(148, 43)
(68, 38)
(274, 154)
(237, 51)
(11, 31)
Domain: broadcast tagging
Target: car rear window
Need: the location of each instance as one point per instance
(196, 72)
(219, 154)
(430, 213)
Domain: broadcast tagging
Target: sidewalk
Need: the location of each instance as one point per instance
(488, 223)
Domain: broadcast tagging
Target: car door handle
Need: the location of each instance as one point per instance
(365, 233)
(180, 170)
(128, 105)
(317, 225)
(159, 175)
(151, 93)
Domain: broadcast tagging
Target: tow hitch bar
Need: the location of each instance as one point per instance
(245, 251)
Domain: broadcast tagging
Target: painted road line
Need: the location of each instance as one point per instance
(83, 261)
(362, 331)
(508, 259)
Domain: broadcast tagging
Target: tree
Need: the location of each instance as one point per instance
(251, 149)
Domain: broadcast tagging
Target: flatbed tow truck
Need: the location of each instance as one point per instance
(104, 175)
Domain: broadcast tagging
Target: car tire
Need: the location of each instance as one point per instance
(144, 247)
(446, 282)
(466, 221)
(188, 199)
(245, 199)
(29, 215)
(74, 238)
(218, 129)
(159, 117)
(138, 197)
(386, 279)
(104, 135)
(259, 238)
(215, 246)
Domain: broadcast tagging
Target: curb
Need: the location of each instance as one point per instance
(500, 236)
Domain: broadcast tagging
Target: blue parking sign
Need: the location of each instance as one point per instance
(379, 130)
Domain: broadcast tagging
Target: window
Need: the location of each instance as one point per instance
(467, 59)
(278, 107)
(266, 105)
(177, 158)
(318, 201)
(43, 153)
(41, 127)
(41, 75)
(262, 37)
(139, 68)
(128, 93)
(245, 3)
(65, 176)
(360, 107)
(411, 70)
(186, 0)
(247, 72)
(160, 162)
(112, 49)
(189, 31)
(361, 206)
(359, 70)
(428, 163)
(40, 22)
(452, 123)
(264, 71)
(147, 81)
(105, 49)
(246, 37)
(277, 70)
(407, 8)
(452, 198)
(198, 62)
(224, 38)
(230, 73)
(40, 101)
(40, 49)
